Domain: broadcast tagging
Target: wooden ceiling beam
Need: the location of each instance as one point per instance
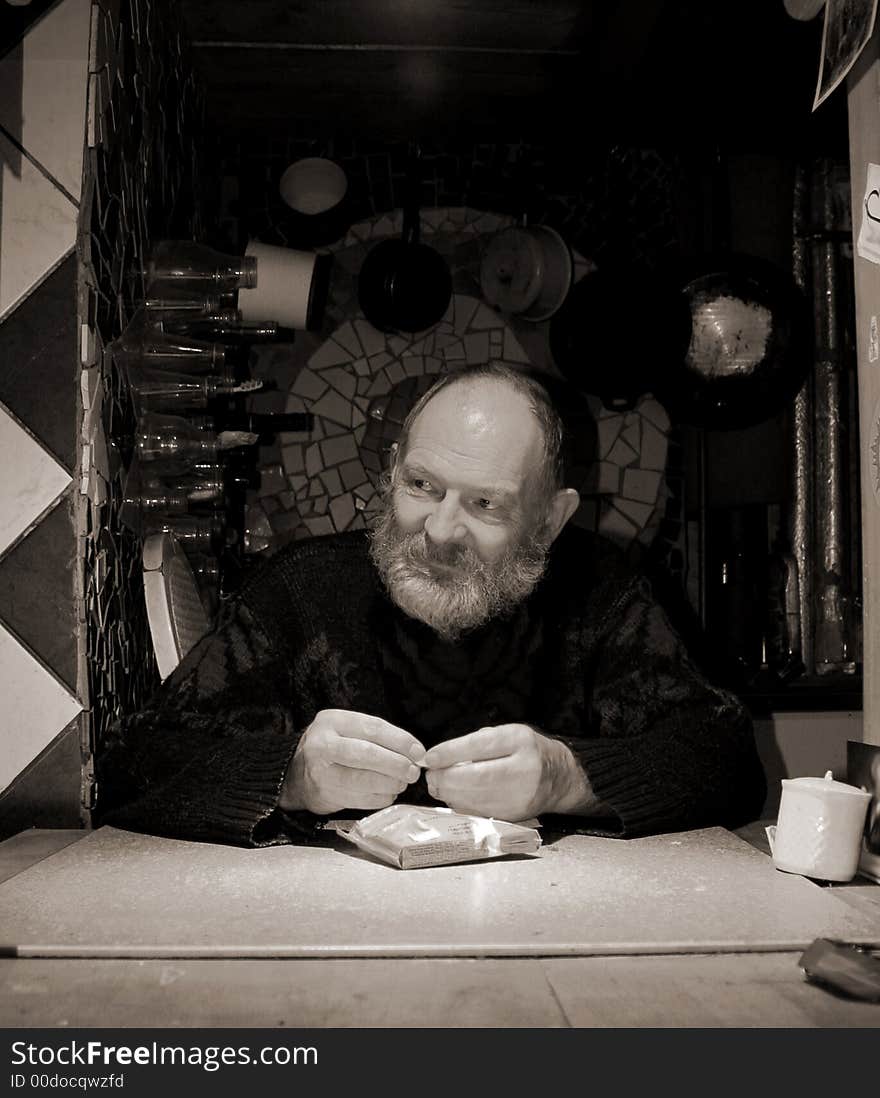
(502, 24)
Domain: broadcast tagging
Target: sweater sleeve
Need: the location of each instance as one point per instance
(206, 758)
(667, 750)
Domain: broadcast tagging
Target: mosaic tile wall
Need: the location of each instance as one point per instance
(140, 183)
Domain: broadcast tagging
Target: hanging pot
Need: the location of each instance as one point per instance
(750, 346)
(618, 332)
(403, 284)
(526, 272)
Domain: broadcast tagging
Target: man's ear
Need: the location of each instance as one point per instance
(562, 506)
(393, 460)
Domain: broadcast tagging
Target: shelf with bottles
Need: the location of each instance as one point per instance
(200, 502)
(189, 441)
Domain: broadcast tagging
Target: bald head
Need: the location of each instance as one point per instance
(549, 471)
(487, 430)
(477, 463)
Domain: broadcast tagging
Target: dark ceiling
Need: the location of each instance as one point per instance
(740, 73)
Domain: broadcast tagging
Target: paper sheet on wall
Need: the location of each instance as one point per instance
(868, 243)
(848, 26)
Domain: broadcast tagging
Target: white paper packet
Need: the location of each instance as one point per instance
(414, 836)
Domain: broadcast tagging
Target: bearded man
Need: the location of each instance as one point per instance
(473, 649)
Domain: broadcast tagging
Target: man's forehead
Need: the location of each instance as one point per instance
(484, 407)
(425, 462)
(485, 392)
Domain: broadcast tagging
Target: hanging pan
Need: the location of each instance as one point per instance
(403, 284)
(750, 346)
(724, 346)
(618, 331)
(526, 271)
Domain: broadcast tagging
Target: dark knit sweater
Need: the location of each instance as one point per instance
(588, 658)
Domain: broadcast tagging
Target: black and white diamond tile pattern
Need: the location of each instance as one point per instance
(43, 82)
(37, 703)
(99, 115)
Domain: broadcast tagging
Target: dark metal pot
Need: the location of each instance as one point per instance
(618, 332)
(750, 349)
(724, 344)
(404, 285)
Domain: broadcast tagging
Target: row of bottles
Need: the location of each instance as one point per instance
(192, 451)
(753, 601)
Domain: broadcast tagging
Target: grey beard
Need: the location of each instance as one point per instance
(452, 603)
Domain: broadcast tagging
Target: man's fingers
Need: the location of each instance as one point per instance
(467, 779)
(364, 726)
(485, 743)
(347, 782)
(371, 801)
(367, 756)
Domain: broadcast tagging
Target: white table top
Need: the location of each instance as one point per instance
(665, 990)
(121, 894)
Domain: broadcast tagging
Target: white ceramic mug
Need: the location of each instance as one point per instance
(819, 829)
(284, 289)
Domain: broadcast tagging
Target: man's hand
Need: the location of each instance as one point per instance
(350, 760)
(510, 772)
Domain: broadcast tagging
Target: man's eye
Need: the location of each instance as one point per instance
(486, 504)
(421, 485)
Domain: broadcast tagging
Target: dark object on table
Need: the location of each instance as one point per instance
(845, 969)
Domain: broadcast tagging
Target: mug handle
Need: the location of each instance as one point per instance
(770, 832)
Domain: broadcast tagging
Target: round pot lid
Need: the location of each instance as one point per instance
(555, 275)
(511, 270)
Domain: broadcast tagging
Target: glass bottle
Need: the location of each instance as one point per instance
(176, 322)
(208, 575)
(196, 533)
(225, 326)
(168, 391)
(178, 444)
(145, 495)
(204, 483)
(151, 348)
(205, 568)
(264, 425)
(181, 304)
(187, 265)
(173, 442)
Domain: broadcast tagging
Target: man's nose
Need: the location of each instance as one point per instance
(445, 522)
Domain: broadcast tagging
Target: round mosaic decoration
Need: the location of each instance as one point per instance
(354, 386)
(358, 384)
